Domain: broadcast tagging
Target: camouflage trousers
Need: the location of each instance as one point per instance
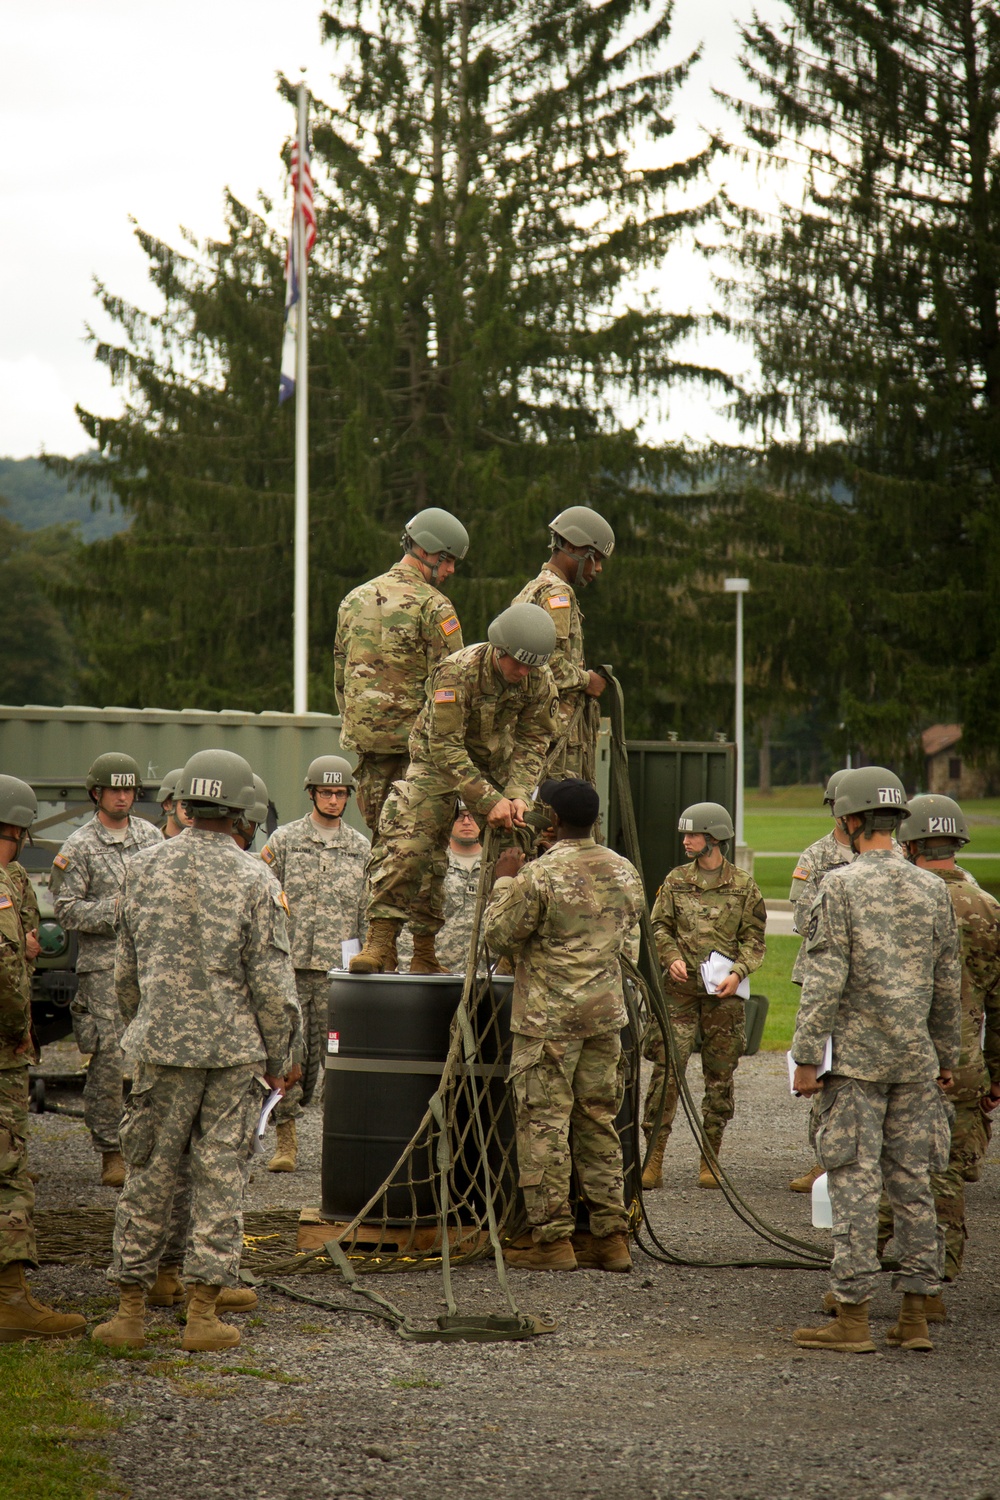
(723, 1037)
(98, 1028)
(407, 869)
(566, 1097)
(210, 1114)
(374, 775)
(866, 1135)
(313, 990)
(970, 1136)
(17, 1192)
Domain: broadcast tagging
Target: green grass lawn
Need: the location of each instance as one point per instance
(47, 1424)
(773, 979)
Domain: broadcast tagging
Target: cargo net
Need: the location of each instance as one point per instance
(452, 1196)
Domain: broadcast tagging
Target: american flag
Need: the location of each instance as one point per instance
(303, 214)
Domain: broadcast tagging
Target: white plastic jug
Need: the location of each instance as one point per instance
(822, 1212)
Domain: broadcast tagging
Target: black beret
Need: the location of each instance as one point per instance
(574, 802)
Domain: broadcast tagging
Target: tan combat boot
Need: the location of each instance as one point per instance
(652, 1172)
(230, 1299)
(911, 1331)
(112, 1169)
(378, 956)
(168, 1289)
(23, 1317)
(804, 1184)
(425, 960)
(286, 1152)
(849, 1334)
(204, 1333)
(531, 1255)
(127, 1329)
(935, 1310)
(706, 1174)
(610, 1252)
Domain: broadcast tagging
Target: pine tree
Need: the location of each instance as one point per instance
(874, 308)
(472, 333)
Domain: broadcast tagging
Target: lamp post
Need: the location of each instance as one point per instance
(739, 587)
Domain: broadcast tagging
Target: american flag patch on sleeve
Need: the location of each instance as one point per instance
(449, 626)
(5, 901)
(60, 861)
(558, 601)
(444, 695)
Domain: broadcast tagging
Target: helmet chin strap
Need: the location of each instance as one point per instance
(706, 848)
(8, 838)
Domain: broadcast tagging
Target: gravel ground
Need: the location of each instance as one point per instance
(669, 1383)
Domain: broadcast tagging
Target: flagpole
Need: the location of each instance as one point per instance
(300, 615)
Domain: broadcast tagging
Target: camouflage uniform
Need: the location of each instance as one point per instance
(575, 753)
(391, 633)
(811, 868)
(324, 880)
(476, 733)
(204, 979)
(87, 876)
(564, 919)
(979, 932)
(461, 887)
(27, 901)
(693, 917)
(883, 978)
(17, 1194)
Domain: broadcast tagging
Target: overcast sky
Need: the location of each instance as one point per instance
(111, 109)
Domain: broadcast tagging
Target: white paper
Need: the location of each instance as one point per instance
(265, 1115)
(348, 949)
(825, 1066)
(715, 969)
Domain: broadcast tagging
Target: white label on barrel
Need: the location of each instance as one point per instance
(333, 1041)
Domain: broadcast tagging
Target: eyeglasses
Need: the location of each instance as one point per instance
(330, 791)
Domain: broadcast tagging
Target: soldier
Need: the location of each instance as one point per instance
(87, 876)
(580, 540)
(882, 985)
(564, 920)
(175, 818)
(391, 634)
(483, 735)
(461, 888)
(703, 907)
(319, 861)
(932, 835)
(21, 1316)
(204, 980)
(812, 866)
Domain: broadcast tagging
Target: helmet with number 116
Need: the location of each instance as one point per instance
(217, 784)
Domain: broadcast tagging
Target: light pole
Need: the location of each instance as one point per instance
(739, 587)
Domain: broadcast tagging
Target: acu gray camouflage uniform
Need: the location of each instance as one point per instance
(461, 887)
(695, 913)
(87, 877)
(565, 919)
(811, 869)
(883, 978)
(324, 880)
(205, 981)
(579, 716)
(391, 634)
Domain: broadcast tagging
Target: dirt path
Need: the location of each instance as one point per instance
(669, 1383)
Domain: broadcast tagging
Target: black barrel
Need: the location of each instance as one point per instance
(388, 1038)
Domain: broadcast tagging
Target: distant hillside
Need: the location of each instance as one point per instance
(35, 497)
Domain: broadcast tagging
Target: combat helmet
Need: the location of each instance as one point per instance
(525, 632)
(830, 795)
(936, 826)
(216, 784)
(168, 786)
(18, 803)
(707, 817)
(116, 772)
(254, 817)
(874, 793)
(436, 530)
(583, 527)
(329, 770)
